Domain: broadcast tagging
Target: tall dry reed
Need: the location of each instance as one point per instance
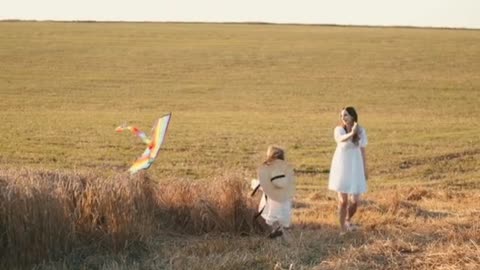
(45, 215)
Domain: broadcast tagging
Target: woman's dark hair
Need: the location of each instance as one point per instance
(351, 111)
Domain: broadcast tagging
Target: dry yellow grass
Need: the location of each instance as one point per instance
(45, 215)
(84, 221)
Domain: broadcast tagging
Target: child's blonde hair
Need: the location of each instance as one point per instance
(274, 152)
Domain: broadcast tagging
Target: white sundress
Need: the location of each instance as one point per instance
(273, 211)
(347, 172)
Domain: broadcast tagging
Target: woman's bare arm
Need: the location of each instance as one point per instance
(346, 137)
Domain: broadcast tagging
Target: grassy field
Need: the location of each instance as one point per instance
(234, 89)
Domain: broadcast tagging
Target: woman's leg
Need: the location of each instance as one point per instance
(352, 206)
(342, 209)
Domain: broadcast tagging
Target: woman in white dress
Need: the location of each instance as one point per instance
(276, 180)
(348, 173)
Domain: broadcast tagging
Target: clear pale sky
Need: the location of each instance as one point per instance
(431, 13)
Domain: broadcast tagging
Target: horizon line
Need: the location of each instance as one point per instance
(248, 23)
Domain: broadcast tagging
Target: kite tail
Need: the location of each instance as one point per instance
(141, 164)
(135, 132)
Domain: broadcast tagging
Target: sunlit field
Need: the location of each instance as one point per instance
(234, 89)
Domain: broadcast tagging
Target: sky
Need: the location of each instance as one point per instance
(421, 13)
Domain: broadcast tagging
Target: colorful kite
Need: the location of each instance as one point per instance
(159, 131)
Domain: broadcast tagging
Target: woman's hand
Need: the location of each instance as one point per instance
(355, 128)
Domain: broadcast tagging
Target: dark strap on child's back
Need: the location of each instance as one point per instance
(277, 177)
(261, 211)
(255, 190)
